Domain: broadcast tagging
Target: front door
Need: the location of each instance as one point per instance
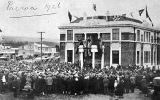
(115, 57)
(69, 55)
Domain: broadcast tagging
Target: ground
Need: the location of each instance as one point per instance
(131, 96)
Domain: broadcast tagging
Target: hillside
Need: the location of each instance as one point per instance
(24, 39)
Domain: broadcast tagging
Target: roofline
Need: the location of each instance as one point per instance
(104, 26)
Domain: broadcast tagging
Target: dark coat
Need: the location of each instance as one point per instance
(127, 82)
(15, 84)
(1, 84)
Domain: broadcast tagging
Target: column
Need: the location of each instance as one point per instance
(85, 36)
(102, 58)
(81, 55)
(93, 50)
(93, 60)
(98, 35)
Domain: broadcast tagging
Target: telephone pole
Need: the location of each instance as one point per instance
(41, 43)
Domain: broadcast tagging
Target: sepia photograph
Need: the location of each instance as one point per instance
(79, 50)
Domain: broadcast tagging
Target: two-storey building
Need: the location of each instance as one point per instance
(124, 41)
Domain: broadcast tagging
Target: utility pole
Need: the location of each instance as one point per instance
(41, 43)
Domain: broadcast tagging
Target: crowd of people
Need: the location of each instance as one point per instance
(41, 78)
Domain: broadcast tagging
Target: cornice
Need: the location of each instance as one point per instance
(105, 26)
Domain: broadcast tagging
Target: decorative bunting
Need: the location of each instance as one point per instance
(116, 18)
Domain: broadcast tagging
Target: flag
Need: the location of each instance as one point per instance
(151, 21)
(70, 16)
(147, 15)
(75, 16)
(94, 7)
(116, 18)
(140, 12)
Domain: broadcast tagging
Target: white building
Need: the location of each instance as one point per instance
(35, 48)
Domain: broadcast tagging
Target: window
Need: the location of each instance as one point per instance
(79, 37)
(142, 38)
(69, 34)
(115, 34)
(154, 38)
(62, 45)
(151, 39)
(146, 56)
(154, 57)
(137, 57)
(147, 36)
(105, 36)
(62, 37)
(46, 49)
(138, 35)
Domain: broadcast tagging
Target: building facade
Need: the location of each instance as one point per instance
(124, 41)
(35, 48)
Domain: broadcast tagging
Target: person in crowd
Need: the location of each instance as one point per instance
(10, 79)
(111, 83)
(119, 89)
(42, 84)
(127, 83)
(144, 86)
(49, 81)
(2, 80)
(15, 86)
(23, 81)
(132, 79)
(106, 84)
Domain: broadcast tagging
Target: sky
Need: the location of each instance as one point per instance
(25, 18)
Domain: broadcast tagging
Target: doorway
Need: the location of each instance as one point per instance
(69, 55)
(93, 37)
(115, 57)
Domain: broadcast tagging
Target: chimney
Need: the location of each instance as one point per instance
(84, 16)
(107, 16)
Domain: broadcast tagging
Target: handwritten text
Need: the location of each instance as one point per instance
(47, 7)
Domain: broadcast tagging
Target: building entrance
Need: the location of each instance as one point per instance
(115, 57)
(69, 55)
